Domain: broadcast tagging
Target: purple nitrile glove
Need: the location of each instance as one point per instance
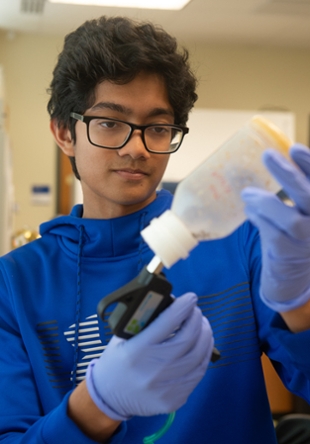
(155, 371)
(284, 230)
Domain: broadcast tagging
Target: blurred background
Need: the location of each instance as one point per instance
(249, 56)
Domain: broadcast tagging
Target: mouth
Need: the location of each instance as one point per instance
(131, 173)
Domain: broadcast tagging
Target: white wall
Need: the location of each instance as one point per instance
(209, 129)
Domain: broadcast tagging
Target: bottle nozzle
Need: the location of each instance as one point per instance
(169, 238)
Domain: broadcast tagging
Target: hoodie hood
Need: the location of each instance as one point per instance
(105, 237)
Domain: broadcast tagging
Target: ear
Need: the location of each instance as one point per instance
(63, 138)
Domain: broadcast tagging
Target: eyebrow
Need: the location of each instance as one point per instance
(161, 111)
(112, 106)
(128, 111)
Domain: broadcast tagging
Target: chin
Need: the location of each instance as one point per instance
(137, 202)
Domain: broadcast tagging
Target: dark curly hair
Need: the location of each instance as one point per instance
(117, 49)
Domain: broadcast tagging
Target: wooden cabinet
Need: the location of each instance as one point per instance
(280, 399)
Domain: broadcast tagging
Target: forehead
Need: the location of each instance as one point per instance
(145, 92)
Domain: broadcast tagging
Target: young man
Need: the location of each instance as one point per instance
(120, 98)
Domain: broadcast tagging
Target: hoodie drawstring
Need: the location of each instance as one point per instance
(77, 308)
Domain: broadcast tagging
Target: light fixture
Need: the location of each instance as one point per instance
(144, 4)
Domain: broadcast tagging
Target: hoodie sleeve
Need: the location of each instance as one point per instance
(287, 351)
(289, 354)
(22, 420)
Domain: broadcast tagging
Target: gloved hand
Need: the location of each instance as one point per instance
(155, 371)
(284, 230)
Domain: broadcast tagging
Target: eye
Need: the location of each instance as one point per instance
(159, 130)
(108, 124)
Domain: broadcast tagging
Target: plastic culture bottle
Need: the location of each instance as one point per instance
(207, 203)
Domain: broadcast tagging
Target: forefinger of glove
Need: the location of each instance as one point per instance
(293, 180)
(301, 156)
(167, 322)
(187, 340)
(262, 205)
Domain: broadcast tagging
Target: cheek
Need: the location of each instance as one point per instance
(91, 159)
(162, 165)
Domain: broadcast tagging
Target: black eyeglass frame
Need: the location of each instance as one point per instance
(133, 127)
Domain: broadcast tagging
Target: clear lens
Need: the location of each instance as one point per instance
(162, 138)
(108, 133)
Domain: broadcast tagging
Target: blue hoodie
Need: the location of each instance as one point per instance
(54, 284)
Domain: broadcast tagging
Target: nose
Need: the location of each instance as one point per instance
(134, 147)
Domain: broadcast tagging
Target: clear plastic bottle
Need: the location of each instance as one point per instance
(207, 203)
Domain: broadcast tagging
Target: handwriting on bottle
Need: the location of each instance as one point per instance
(220, 186)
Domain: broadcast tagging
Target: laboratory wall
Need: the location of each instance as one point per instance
(230, 78)
(27, 62)
(274, 79)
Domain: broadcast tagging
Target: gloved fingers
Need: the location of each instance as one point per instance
(186, 339)
(197, 359)
(262, 206)
(201, 348)
(188, 349)
(301, 156)
(167, 322)
(293, 180)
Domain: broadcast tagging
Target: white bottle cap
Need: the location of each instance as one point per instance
(169, 238)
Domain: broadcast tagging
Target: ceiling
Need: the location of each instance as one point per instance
(284, 23)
